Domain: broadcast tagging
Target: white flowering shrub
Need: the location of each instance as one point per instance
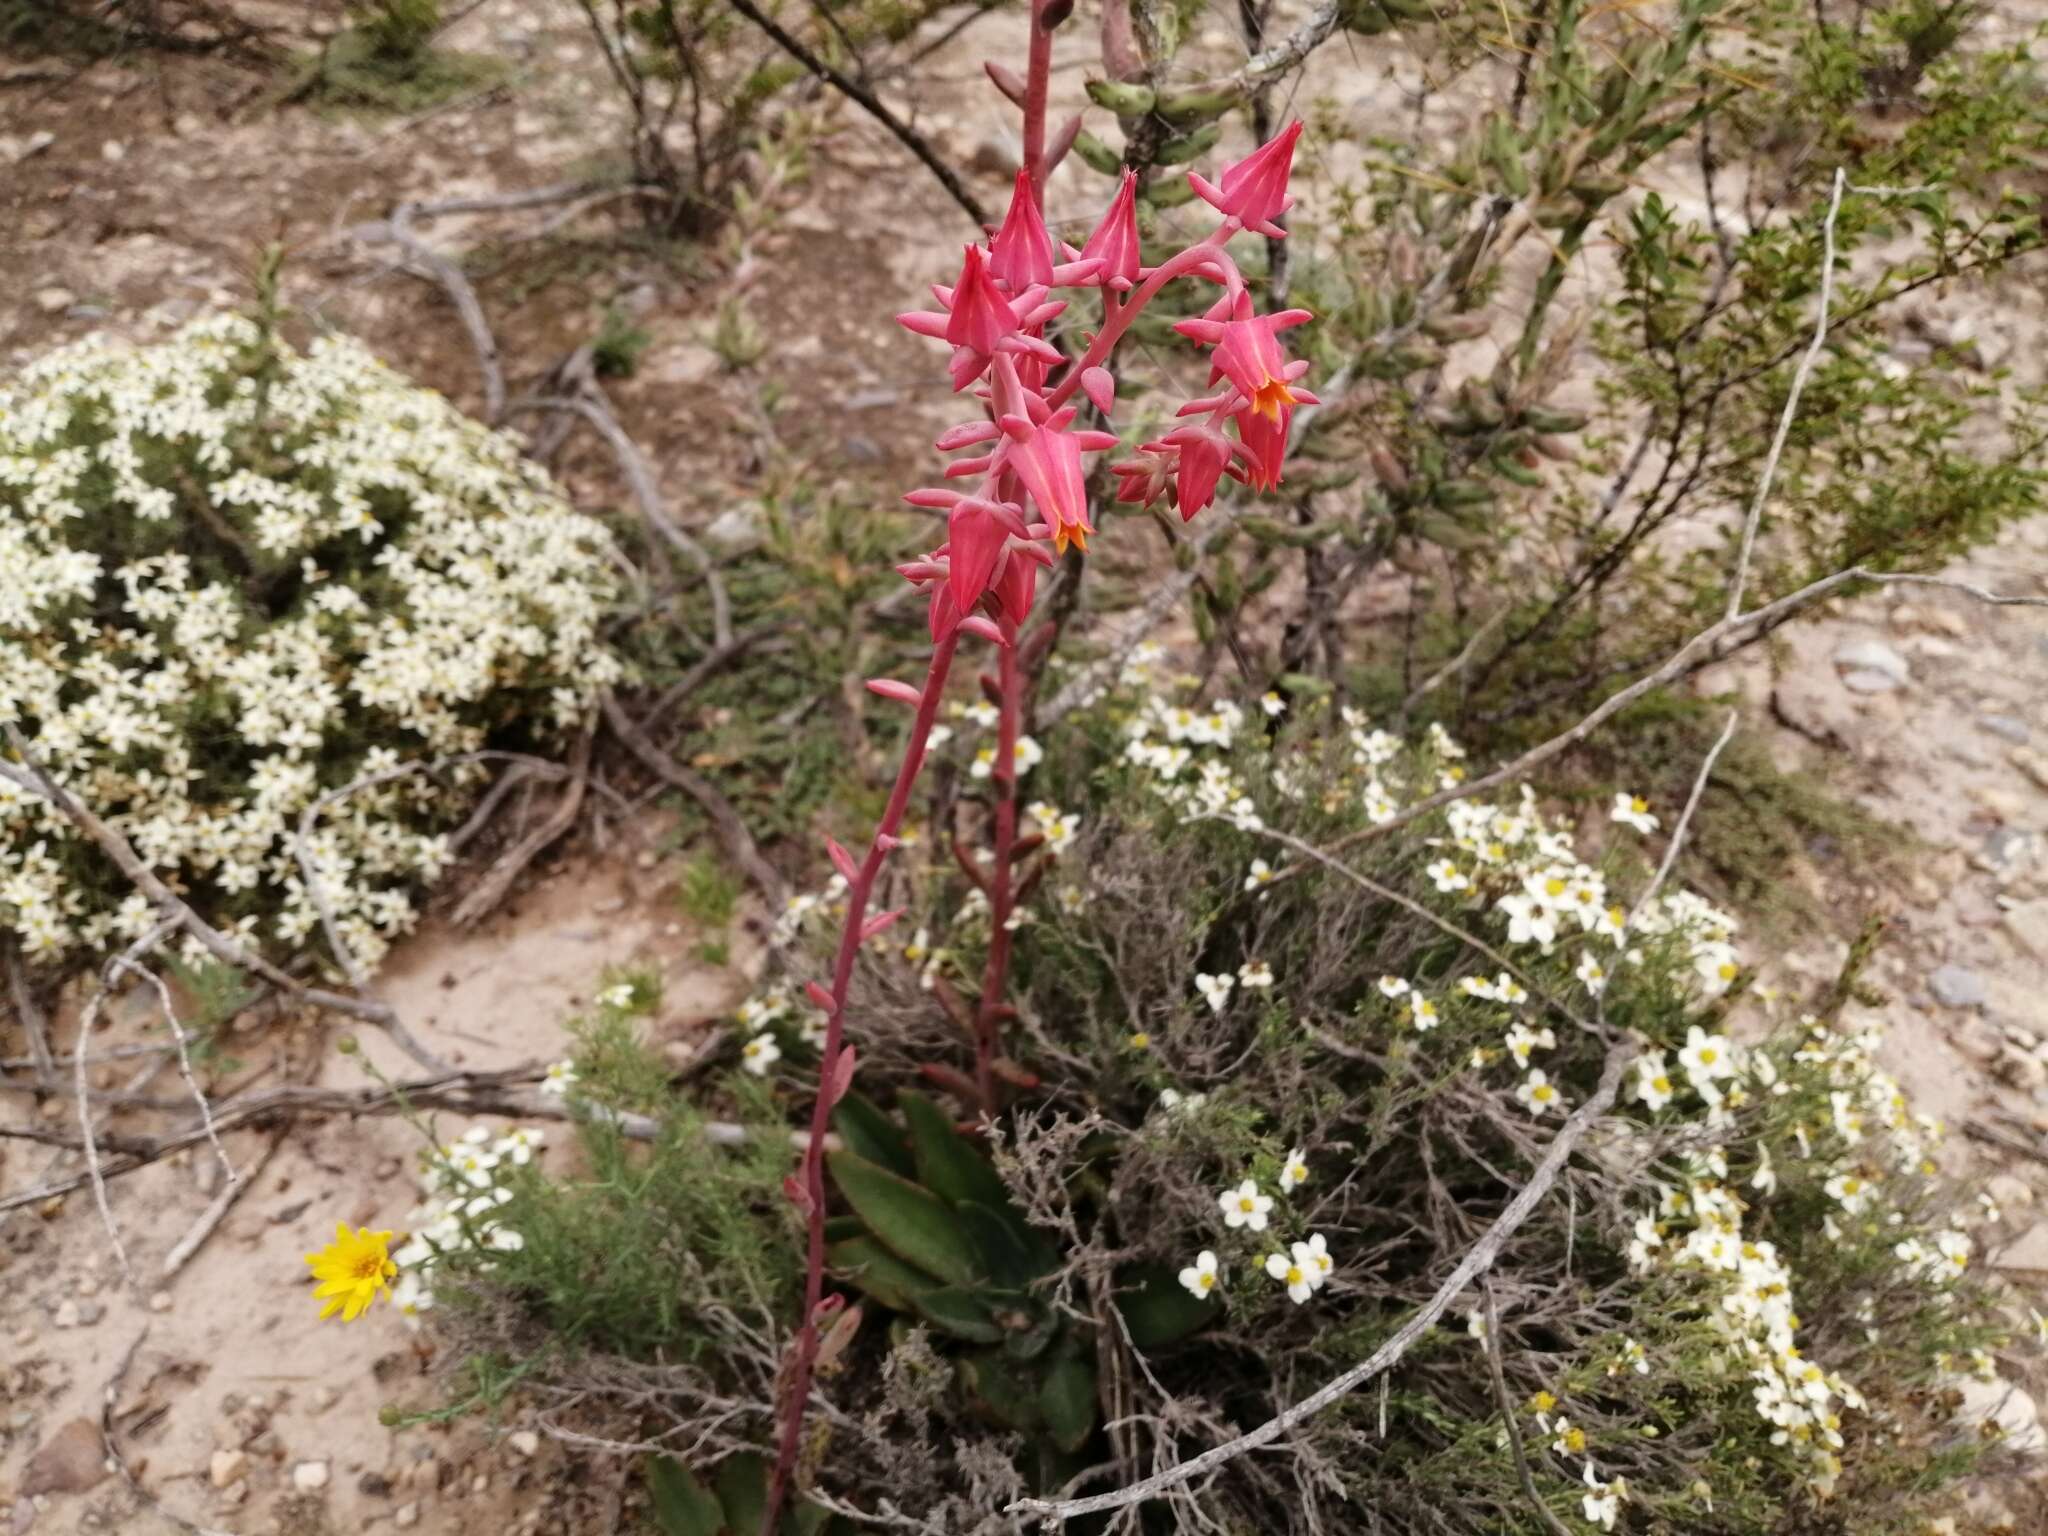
(239, 577)
(1299, 1101)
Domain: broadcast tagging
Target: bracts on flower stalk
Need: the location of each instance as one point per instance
(1028, 504)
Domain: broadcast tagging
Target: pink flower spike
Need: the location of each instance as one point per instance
(818, 995)
(1263, 442)
(890, 688)
(1254, 190)
(1099, 385)
(935, 497)
(976, 537)
(1204, 455)
(1115, 240)
(1021, 253)
(842, 860)
(987, 629)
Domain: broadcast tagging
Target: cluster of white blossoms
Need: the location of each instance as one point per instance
(238, 578)
(1301, 1268)
(466, 1195)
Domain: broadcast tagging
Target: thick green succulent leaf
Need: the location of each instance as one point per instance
(1067, 1401)
(1001, 1391)
(873, 1270)
(840, 1228)
(1031, 1325)
(682, 1505)
(947, 1163)
(864, 1130)
(961, 1312)
(742, 1484)
(912, 1222)
(1158, 1309)
(1016, 1254)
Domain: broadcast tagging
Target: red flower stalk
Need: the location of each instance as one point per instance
(1027, 505)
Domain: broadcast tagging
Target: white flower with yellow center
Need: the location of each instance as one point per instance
(760, 1053)
(1293, 1171)
(1201, 1277)
(1538, 1094)
(1245, 1207)
(1293, 1275)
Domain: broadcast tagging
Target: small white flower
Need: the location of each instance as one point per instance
(1255, 973)
(1393, 986)
(1314, 1256)
(1422, 1012)
(1293, 1171)
(1538, 1094)
(1591, 973)
(1653, 1083)
(1292, 1275)
(760, 1053)
(1634, 811)
(1261, 874)
(1273, 704)
(1215, 990)
(1447, 877)
(1200, 1277)
(1174, 1102)
(1706, 1057)
(1602, 1502)
(1244, 1206)
(618, 996)
(559, 1079)
(519, 1144)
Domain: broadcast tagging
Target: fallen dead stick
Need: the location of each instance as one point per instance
(726, 825)
(492, 889)
(1477, 1261)
(232, 1191)
(474, 1093)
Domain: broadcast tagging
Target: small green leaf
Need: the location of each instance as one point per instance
(959, 1311)
(1016, 1253)
(872, 1269)
(947, 1164)
(1001, 1391)
(865, 1130)
(1159, 1309)
(682, 1505)
(1067, 1399)
(915, 1224)
(742, 1483)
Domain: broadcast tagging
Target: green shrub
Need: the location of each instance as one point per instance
(1745, 1306)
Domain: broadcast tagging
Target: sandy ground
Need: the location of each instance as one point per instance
(236, 1412)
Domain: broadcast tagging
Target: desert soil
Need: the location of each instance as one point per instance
(137, 192)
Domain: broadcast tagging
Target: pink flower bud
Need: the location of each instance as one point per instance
(889, 688)
(1099, 385)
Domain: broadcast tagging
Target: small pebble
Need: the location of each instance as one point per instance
(1955, 987)
(67, 1315)
(160, 1301)
(2014, 731)
(479, 1483)
(310, 1476)
(227, 1467)
(525, 1442)
(324, 1399)
(406, 1516)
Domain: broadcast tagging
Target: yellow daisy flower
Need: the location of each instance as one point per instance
(351, 1271)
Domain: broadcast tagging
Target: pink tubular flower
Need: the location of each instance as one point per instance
(977, 531)
(981, 319)
(1262, 448)
(1047, 458)
(1021, 253)
(1202, 453)
(1254, 190)
(1248, 353)
(1115, 240)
